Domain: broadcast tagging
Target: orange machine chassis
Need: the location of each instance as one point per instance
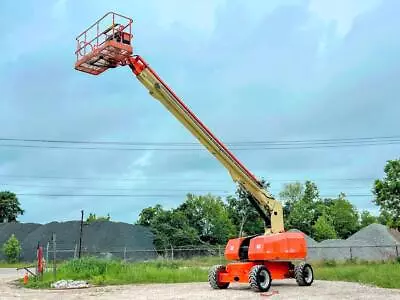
(261, 259)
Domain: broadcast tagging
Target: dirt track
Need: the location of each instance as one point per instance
(286, 290)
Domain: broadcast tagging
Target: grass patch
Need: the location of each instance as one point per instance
(106, 272)
(386, 275)
(103, 272)
(4, 264)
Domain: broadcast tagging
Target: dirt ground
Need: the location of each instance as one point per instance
(282, 289)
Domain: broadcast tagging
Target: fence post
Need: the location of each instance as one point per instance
(75, 250)
(351, 254)
(125, 254)
(397, 250)
(172, 253)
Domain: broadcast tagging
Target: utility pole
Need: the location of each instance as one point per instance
(54, 256)
(80, 236)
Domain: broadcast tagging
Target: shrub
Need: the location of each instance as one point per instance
(12, 249)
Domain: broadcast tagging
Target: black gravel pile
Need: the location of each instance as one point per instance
(105, 239)
(20, 230)
(67, 235)
(120, 240)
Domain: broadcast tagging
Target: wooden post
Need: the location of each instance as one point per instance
(80, 235)
(351, 254)
(397, 250)
(172, 253)
(125, 254)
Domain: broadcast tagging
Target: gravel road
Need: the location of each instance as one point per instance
(285, 290)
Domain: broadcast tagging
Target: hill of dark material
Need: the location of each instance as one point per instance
(99, 238)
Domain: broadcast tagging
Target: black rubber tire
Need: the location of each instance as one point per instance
(213, 277)
(304, 274)
(257, 279)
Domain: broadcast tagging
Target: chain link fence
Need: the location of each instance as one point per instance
(315, 253)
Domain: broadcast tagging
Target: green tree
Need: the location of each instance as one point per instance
(344, 216)
(93, 218)
(208, 214)
(323, 229)
(290, 194)
(303, 212)
(170, 227)
(387, 192)
(385, 218)
(244, 217)
(244, 214)
(10, 207)
(301, 216)
(311, 192)
(147, 215)
(367, 219)
(12, 249)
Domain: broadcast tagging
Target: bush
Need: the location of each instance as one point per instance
(12, 249)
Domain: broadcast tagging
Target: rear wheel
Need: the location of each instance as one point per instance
(260, 278)
(213, 277)
(304, 274)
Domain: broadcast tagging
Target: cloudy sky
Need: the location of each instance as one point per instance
(251, 70)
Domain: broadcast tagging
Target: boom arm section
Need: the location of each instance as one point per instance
(269, 208)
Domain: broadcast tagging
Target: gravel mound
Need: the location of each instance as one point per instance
(115, 237)
(375, 234)
(374, 242)
(104, 239)
(20, 230)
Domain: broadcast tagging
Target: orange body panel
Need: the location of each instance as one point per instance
(232, 249)
(279, 246)
(239, 272)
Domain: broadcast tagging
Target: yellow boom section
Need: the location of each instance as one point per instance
(269, 208)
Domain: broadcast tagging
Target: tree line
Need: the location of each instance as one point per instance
(211, 220)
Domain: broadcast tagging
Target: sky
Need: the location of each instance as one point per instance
(250, 70)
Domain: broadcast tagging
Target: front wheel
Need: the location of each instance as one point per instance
(213, 277)
(260, 278)
(304, 274)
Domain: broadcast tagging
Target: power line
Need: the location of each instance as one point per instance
(103, 195)
(177, 179)
(148, 195)
(304, 146)
(113, 189)
(337, 140)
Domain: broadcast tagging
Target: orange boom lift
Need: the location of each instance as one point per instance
(257, 260)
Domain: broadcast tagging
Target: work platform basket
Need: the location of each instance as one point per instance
(106, 44)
